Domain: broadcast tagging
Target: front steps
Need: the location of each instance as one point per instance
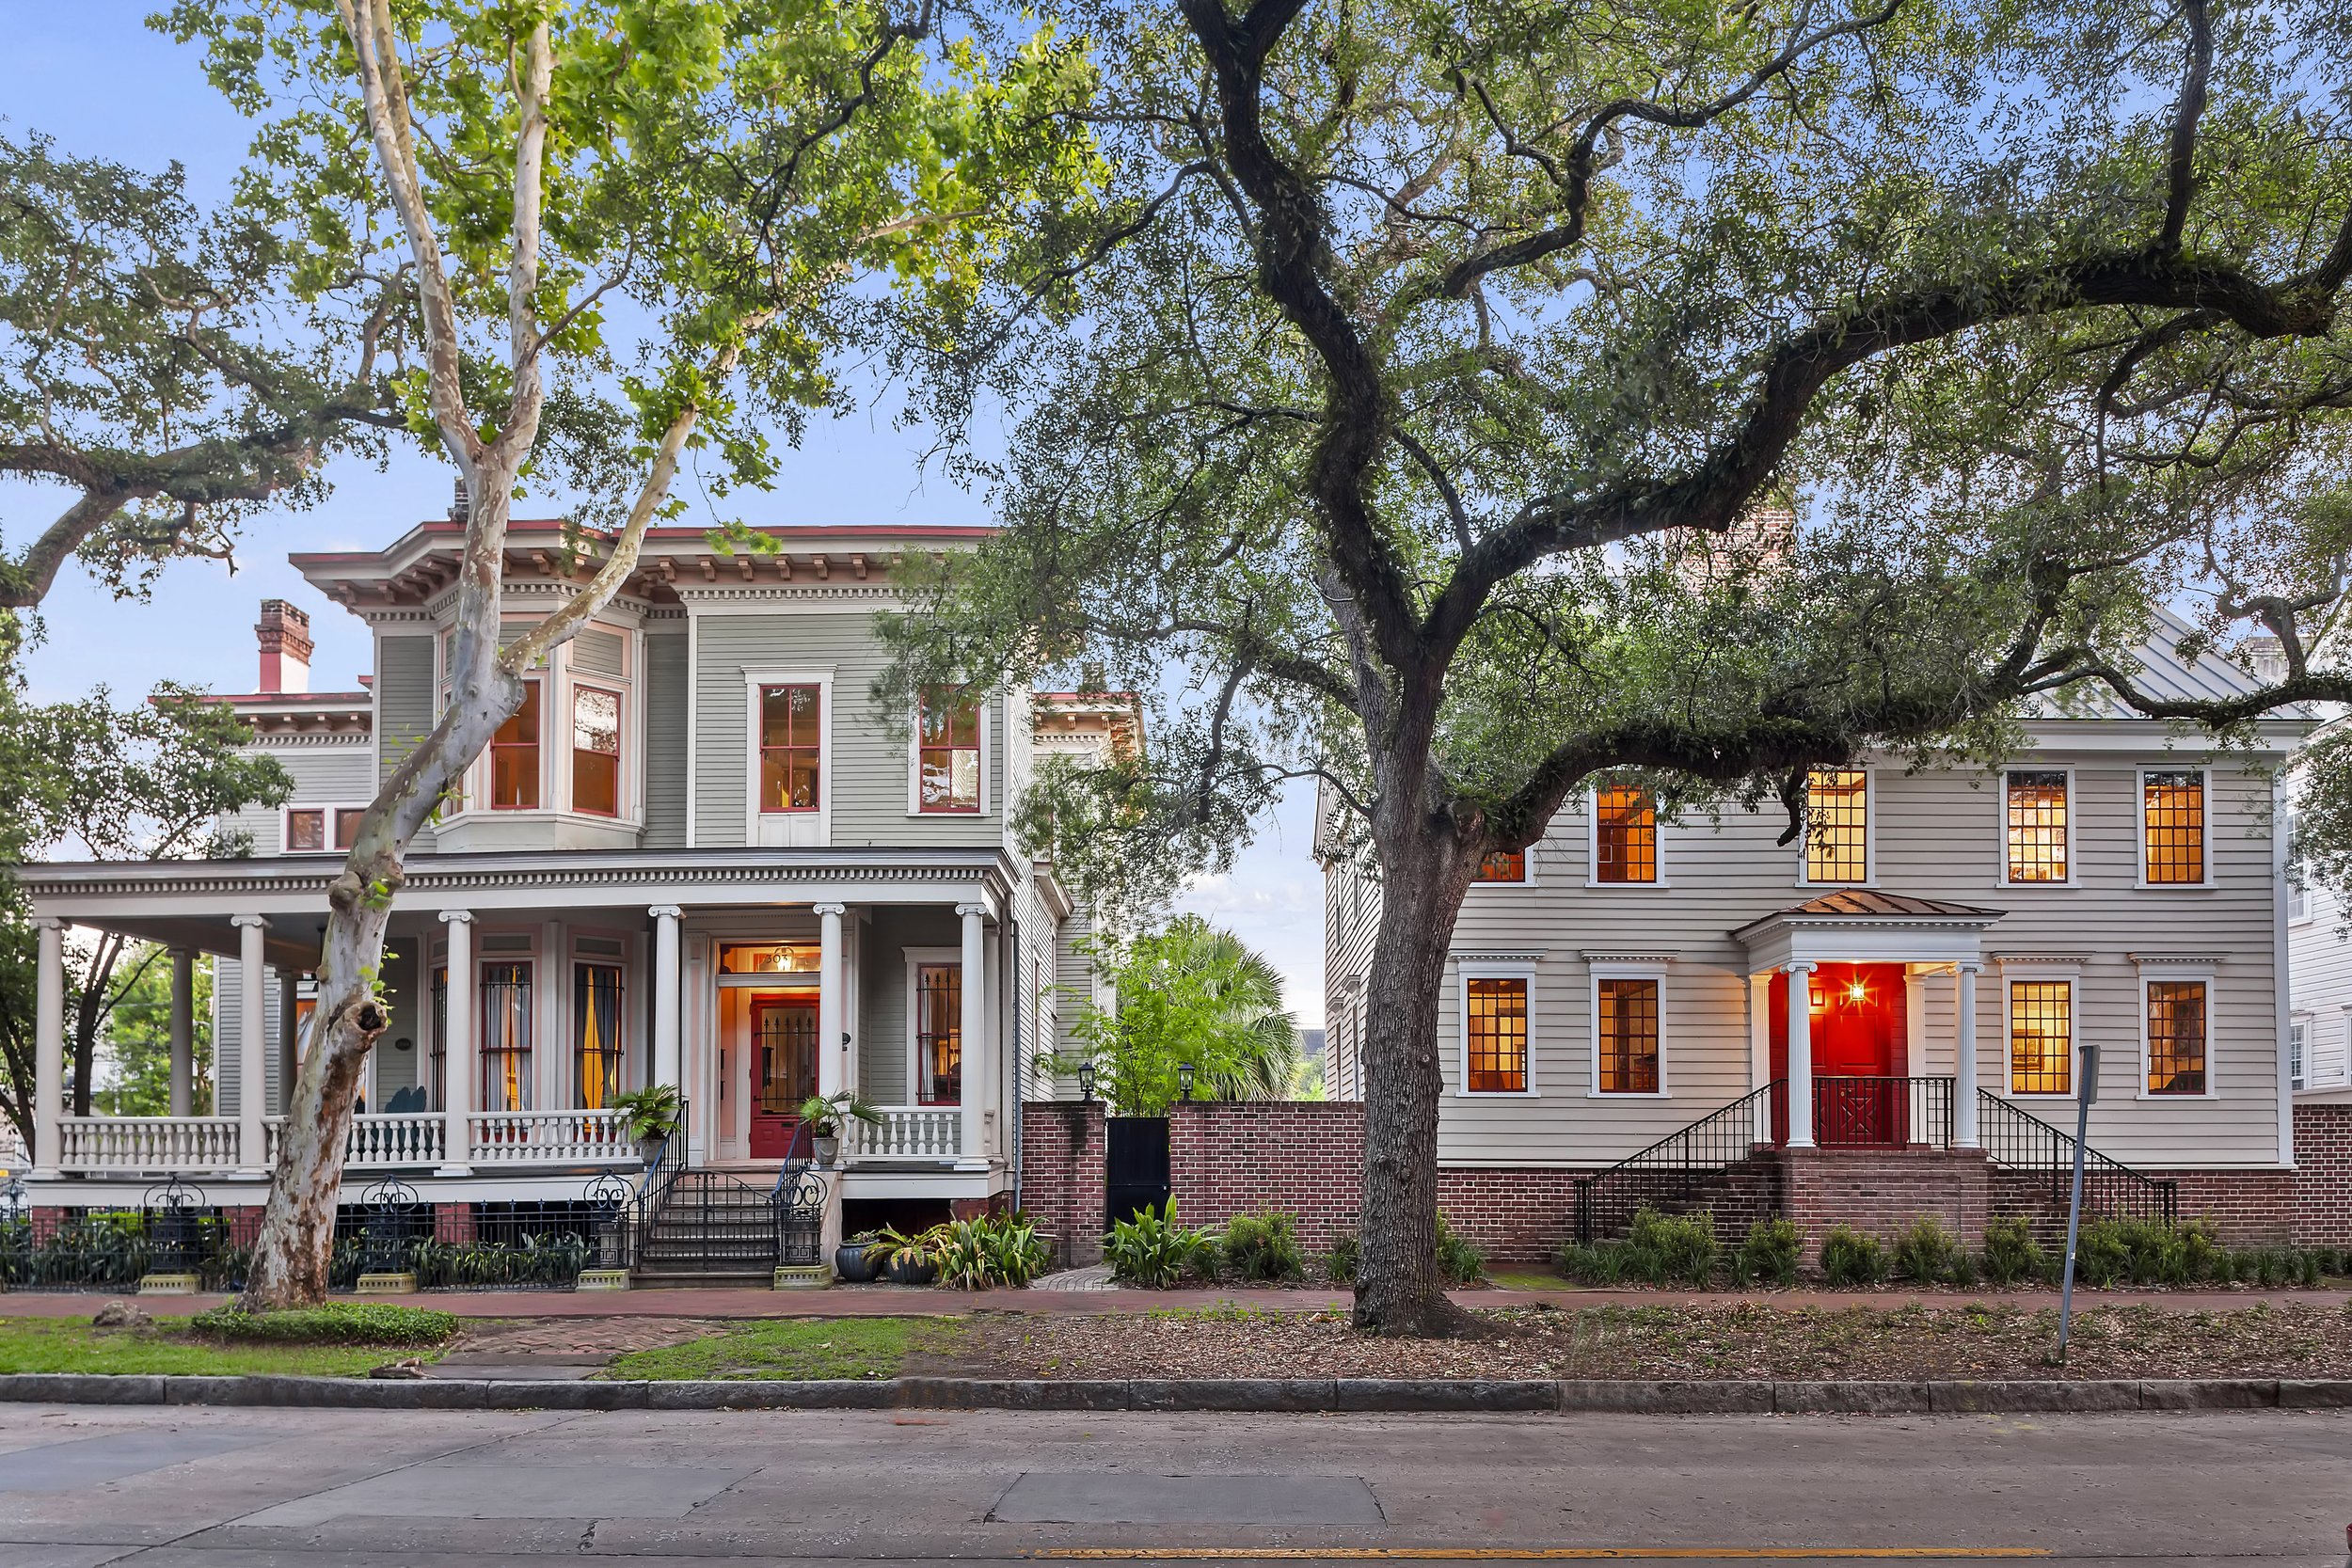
(711, 1232)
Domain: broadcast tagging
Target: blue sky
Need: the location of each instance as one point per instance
(92, 76)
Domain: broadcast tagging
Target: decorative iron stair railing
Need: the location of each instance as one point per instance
(1677, 1166)
(2112, 1189)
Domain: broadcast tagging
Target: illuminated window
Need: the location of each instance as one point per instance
(2176, 1036)
(514, 757)
(2037, 825)
(505, 1036)
(2041, 1037)
(2172, 826)
(1503, 865)
(947, 757)
(775, 958)
(597, 752)
(1497, 1037)
(789, 725)
(1836, 819)
(306, 831)
(939, 1034)
(1625, 835)
(1629, 1036)
(597, 1035)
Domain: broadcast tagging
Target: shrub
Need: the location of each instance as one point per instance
(1346, 1254)
(1850, 1257)
(1458, 1258)
(2010, 1253)
(1263, 1247)
(1771, 1252)
(992, 1250)
(1927, 1252)
(337, 1322)
(2103, 1253)
(1601, 1264)
(1153, 1250)
(1676, 1249)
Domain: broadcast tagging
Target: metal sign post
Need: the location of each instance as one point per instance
(2086, 1090)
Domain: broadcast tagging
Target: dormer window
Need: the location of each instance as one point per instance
(947, 755)
(514, 757)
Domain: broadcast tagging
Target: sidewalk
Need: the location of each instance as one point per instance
(859, 1301)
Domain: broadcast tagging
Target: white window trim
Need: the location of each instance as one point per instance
(285, 824)
(2074, 863)
(535, 1074)
(2199, 969)
(915, 769)
(1869, 837)
(1623, 969)
(917, 958)
(2296, 1080)
(2139, 835)
(632, 1068)
(753, 819)
(1466, 972)
(1592, 849)
(2030, 972)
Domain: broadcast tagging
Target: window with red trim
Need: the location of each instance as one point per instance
(597, 752)
(514, 757)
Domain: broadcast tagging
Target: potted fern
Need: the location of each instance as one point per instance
(651, 1114)
(823, 1114)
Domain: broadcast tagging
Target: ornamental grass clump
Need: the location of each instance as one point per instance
(1928, 1253)
(1670, 1249)
(2010, 1253)
(1850, 1257)
(993, 1251)
(1153, 1250)
(1771, 1253)
(1263, 1248)
(1346, 1252)
(1459, 1258)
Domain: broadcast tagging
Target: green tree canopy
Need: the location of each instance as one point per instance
(1187, 995)
(1473, 401)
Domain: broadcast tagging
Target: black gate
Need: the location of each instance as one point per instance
(1136, 1177)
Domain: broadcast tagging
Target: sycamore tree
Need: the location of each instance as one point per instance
(637, 229)
(1470, 400)
(1186, 995)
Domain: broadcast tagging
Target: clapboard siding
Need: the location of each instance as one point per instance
(1935, 834)
(403, 697)
(393, 1068)
(665, 741)
(883, 1049)
(2320, 957)
(870, 764)
(334, 773)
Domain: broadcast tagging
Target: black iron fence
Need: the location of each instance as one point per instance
(1881, 1113)
(2112, 1189)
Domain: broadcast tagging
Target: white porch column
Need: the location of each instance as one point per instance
(182, 1032)
(1799, 1054)
(253, 1044)
(972, 1032)
(666, 1064)
(1965, 1085)
(831, 1045)
(457, 1072)
(289, 1040)
(49, 1048)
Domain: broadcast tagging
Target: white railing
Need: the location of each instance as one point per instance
(148, 1143)
(379, 1141)
(548, 1138)
(907, 1133)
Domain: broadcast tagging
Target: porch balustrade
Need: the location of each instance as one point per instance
(188, 1145)
(548, 1138)
(148, 1143)
(381, 1141)
(907, 1133)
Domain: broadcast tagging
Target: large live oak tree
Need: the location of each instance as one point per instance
(1475, 400)
(658, 220)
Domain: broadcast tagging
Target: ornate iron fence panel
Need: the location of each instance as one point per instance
(800, 1205)
(172, 1215)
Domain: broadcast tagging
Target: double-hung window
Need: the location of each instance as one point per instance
(1494, 1035)
(1625, 835)
(1837, 825)
(515, 756)
(2041, 1037)
(947, 755)
(790, 757)
(2035, 811)
(595, 751)
(2177, 1041)
(2172, 827)
(597, 1035)
(1626, 1034)
(505, 1036)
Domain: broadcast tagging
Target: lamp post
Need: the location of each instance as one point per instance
(1086, 1081)
(1184, 1080)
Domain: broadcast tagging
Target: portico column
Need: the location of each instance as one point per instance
(182, 1032)
(289, 1038)
(832, 1062)
(1965, 1086)
(972, 1032)
(49, 1048)
(459, 1050)
(253, 1044)
(667, 1066)
(1799, 1054)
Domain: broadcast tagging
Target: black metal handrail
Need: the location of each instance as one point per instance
(2111, 1189)
(1882, 1111)
(622, 1240)
(1676, 1165)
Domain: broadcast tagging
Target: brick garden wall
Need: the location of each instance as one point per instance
(1226, 1159)
(1062, 1151)
(2323, 1175)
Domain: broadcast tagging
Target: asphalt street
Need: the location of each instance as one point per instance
(283, 1488)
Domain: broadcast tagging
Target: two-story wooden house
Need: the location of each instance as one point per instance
(697, 856)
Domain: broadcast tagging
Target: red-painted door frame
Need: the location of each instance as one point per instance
(1859, 1029)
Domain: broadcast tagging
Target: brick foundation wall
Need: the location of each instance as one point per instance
(1062, 1151)
(2323, 1175)
(1516, 1213)
(1236, 1158)
(1880, 1192)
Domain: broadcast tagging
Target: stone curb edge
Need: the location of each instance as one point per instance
(1304, 1394)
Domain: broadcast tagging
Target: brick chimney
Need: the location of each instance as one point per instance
(285, 635)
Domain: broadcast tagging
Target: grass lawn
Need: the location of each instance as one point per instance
(797, 1347)
(52, 1345)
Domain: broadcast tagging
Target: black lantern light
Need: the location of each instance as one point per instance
(1184, 1080)
(1086, 1081)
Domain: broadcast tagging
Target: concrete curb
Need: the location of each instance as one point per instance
(1589, 1396)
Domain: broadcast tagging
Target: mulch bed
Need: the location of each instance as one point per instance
(1743, 1340)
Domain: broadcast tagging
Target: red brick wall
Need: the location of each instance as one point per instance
(1226, 1159)
(2323, 1175)
(1062, 1151)
(1516, 1213)
(1881, 1191)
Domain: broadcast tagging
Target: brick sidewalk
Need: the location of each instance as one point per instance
(888, 1301)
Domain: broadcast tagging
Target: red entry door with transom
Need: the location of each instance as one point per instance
(784, 1072)
(1861, 1052)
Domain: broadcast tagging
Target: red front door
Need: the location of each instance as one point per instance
(784, 1072)
(1860, 1054)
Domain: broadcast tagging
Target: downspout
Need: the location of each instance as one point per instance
(1013, 988)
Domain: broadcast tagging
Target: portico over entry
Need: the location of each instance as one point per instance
(1838, 1005)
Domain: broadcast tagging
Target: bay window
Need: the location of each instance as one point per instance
(597, 752)
(515, 756)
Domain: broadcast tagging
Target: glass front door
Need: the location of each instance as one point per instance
(784, 1072)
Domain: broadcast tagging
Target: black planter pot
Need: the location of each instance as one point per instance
(921, 1273)
(854, 1266)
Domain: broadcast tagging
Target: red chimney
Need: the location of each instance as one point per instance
(285, 634)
